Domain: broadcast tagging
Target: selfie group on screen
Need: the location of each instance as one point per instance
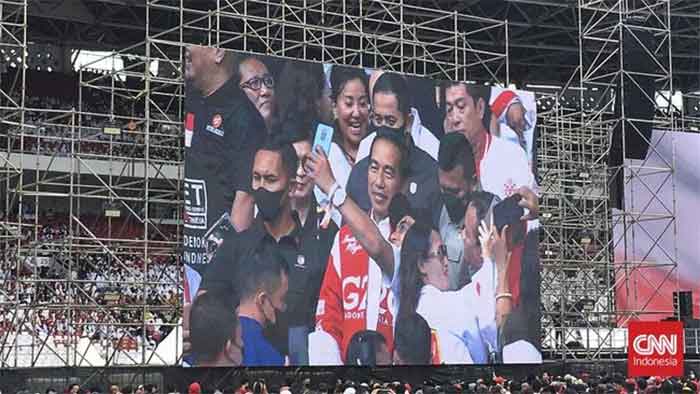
(336, 215)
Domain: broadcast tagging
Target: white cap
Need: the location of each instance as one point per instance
(349, 390)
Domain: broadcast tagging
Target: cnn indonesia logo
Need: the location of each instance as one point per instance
(655, 348)
(659, 345)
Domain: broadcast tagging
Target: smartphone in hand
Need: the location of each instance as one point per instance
(507, 212)
(323, 138)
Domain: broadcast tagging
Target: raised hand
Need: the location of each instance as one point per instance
(318, 168)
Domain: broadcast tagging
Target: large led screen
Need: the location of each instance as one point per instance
(654, 256)
(344, 216)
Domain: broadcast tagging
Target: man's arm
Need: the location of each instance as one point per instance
(242, 211)
(364, 230)
(243, 146)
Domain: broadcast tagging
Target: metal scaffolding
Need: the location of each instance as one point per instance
(119, 194)
(631, 44)
(137, 171)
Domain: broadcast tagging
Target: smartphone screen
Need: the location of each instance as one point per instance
(323, 138)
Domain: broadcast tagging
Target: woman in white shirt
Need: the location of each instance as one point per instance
(350, 103)
(472, 313)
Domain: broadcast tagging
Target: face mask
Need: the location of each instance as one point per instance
(397, 130)
(269, 203)
(455, 207)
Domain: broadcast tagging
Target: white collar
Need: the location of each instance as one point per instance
(383, 225)
(416, 126)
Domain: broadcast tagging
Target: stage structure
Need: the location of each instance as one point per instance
(124, 157)
(13, 228)
(630, 68)
(90, 189)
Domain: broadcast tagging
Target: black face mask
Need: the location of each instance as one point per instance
(269, 203)
(455, 206)
(397, 130)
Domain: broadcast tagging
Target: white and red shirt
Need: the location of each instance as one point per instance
(504, 167)
(354, 295)
(501, 100)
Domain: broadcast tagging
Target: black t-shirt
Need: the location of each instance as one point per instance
(222, 133)
(305, 251)
(423, 187)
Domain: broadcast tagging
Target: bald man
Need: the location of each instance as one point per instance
(222, 133)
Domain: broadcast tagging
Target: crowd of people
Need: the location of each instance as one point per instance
(51, 128)
(332, 212)
(530, 383)
(92, 284)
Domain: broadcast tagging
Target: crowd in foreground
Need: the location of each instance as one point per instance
(545, 383)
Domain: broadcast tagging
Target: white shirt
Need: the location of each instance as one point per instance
(468, 314)
(452, 349)
(341, 167)
(471, 315)
(422, 138)
(504, 167)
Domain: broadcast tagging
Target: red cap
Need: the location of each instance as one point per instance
(502, 102)
(194, 388)
(499, 380)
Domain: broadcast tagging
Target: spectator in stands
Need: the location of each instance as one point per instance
(222, 133)
(259, 85)
(215, 332)
(259, 387)
(368, 348)
(114, 389)
(74, 388)
(264, 284)
(194, 388)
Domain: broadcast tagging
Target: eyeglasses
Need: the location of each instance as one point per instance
(440, 253)
(256, 82)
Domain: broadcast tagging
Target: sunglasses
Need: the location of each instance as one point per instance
(256, 83)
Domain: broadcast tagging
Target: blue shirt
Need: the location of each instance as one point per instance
(257, 350)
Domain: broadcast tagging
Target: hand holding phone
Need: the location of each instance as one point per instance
(508, 211)
(323, 138)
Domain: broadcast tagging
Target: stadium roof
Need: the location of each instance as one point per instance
(543, 34)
